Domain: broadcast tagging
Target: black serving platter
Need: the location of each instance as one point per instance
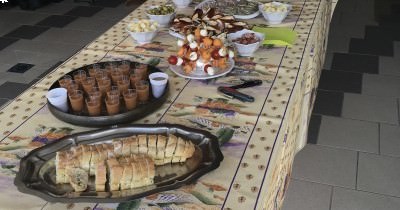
(36, 175)
(105, 120)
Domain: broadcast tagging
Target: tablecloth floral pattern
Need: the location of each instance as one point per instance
(259, 139)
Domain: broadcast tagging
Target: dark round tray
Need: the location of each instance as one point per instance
(106, 120)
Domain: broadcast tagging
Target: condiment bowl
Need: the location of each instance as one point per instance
(275, 17)
(246, 49)
(162, 20)
(142, 37)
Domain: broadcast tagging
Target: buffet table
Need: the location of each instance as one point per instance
(259, 140)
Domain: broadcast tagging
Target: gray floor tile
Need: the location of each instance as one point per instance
(349, 134)
(338, 44)
(55, 8)
(380, 85)
(110, 13)
(379, 174)
(326, 165)
(7, 27)
(345, 199)
(68, 36)
(370, 108)
(3, 102)
(36, 58)
(389, 65)
(390, 140)
(9, 90)
(91, 24)
(328, 60)
(396, 47)
(21, 17)
(303, 195)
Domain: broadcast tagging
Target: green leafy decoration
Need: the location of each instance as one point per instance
(154, 61)
(224, 135)
(130, 205)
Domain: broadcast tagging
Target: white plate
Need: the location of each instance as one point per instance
(246, 17)
(200, 74)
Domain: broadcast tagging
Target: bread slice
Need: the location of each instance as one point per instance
(110, 150)
(115, 177)
(78, 178)
(100, 177)
(94, 161)
(170, 148)
(180, 147)
(152, 146)
(134, 144)
(102, 153)
(85, 157)
(151, 171)
(117, 148)
(60, 163)
(142, 144)
(126, 177)
(126, 147)
(135, 174)
(161, 143)
(185, 150)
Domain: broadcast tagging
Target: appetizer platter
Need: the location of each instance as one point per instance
(213, 21)
(118, 164)
(202, 57)
(127, 111)
(243, 9)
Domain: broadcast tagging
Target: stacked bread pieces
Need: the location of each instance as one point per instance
(125, 163)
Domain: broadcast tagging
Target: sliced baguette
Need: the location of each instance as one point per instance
(117, 148)
(170, 148)
(126, 177)
(161, 143)
(78, 178)
(152, 146)
(134, 144)
(142, 144)
(180, 147)
(126, 147)
(100, 177)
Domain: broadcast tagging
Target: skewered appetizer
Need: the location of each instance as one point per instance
(125, 163)
(214, 22)
(201, 52)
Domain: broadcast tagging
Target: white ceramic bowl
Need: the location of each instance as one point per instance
(162, 20)
(275, 17)
(246, 49)
(142, 37)
(182, 3)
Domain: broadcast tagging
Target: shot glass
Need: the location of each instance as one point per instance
(125, 67)
(88, 84)
(109, 68)
(93, 106)
(142, 89)
(79, 76)
(116, 75)
(104, 85)
(114, 91)
(123, 84)
(112, 105)
(73, 85)
(65, 81)
(76, 100)
(141, 71)
(95, 93)
(130, 99)
(100, 74)
(93, 69)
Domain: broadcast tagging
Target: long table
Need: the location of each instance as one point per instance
(260, 139)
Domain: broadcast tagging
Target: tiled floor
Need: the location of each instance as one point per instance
(36, 40)
(352, 160)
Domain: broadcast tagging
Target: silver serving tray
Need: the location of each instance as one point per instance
(105, 120)
(36, 175)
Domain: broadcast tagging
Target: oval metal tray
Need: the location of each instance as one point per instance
(36, 175)
(105, 120)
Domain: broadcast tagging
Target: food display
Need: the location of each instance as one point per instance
(143, 25)
(247, 38)
(275, 12)
(213, 21)
(107, 93)
(161, 10)
(201, 53)
(126, 163)
(274, 7)
(243, 9)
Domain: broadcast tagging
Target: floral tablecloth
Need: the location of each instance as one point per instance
(259, 139)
